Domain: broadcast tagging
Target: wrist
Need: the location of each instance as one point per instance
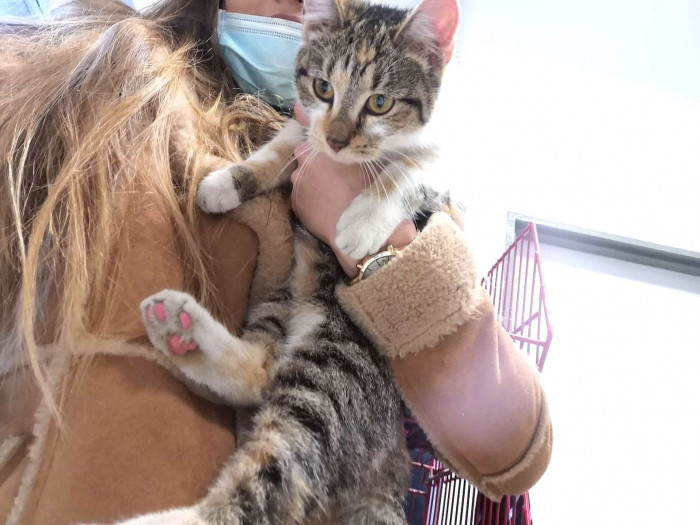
(402, 237)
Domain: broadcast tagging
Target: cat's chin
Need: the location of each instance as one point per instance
(345, 157)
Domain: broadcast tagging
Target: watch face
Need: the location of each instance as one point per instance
(376, 264)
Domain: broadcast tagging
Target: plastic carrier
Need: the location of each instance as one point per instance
(437, 495)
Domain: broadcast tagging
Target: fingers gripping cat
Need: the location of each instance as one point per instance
(327, 439)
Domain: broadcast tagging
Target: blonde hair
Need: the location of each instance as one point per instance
(84, 98)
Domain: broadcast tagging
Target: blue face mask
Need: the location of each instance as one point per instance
(260, 53)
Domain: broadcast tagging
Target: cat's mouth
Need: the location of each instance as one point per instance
(356, 150)
(351, 155)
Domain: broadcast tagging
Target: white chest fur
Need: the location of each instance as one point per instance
(305, 317)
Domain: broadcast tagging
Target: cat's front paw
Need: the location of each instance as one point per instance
(184, 516)
(365, 227)
(223, 190)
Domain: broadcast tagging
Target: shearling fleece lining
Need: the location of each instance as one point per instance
(424, 294)
(57, 370)
(9, 448)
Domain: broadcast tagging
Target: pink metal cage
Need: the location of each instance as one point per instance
(517, 290)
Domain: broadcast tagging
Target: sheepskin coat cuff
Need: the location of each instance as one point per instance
(478, 399)
(425, 293)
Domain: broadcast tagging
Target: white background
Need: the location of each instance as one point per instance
(622, 382)
(585, 113)
(588, 113)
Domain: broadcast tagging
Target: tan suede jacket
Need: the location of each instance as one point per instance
(135, 440)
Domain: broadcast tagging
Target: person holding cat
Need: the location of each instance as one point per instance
(136, 436)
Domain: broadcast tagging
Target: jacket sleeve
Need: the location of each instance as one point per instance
(478, 399)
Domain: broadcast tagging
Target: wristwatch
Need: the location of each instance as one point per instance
(372, 263)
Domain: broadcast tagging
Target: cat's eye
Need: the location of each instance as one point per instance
(323, 89)
(379, 104)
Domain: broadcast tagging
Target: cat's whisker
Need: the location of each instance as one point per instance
(399, 187)
(404, 193)
(301, 170)
(378, 171)
(398, 166)
(365, 172)
(412, 160)
(378, 180)
(288, 162)
(303, 150)
(372, 176)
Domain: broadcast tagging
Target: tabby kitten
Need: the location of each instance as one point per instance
(328, 438)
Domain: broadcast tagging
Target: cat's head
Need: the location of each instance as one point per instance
(368, 75)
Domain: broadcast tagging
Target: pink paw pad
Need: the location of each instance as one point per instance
(149, 314)
(160, 311)
(179, 347)
(185, 320)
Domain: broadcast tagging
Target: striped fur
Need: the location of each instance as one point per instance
(329, 434)
(328, 438)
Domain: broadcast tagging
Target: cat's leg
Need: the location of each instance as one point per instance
(234, 368)
(290, 471)
(373, 509)
(371, 218)
(380, 498)
(225, 189)
(281, 476)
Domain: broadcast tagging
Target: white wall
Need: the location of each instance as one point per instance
(141, 4)
(622, 377)
(586, 113)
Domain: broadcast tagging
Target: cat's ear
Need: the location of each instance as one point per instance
(434, 21)
(321, 15)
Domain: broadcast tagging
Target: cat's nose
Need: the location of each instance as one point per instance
(335, 144)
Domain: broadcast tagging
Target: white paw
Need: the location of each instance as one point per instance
(176, 324)
(184, 516)
(217, 192)
(365, 226)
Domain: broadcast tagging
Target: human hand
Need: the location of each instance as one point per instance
(323, 190)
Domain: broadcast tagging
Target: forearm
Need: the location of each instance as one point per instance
(478, 399)
(481, 404)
